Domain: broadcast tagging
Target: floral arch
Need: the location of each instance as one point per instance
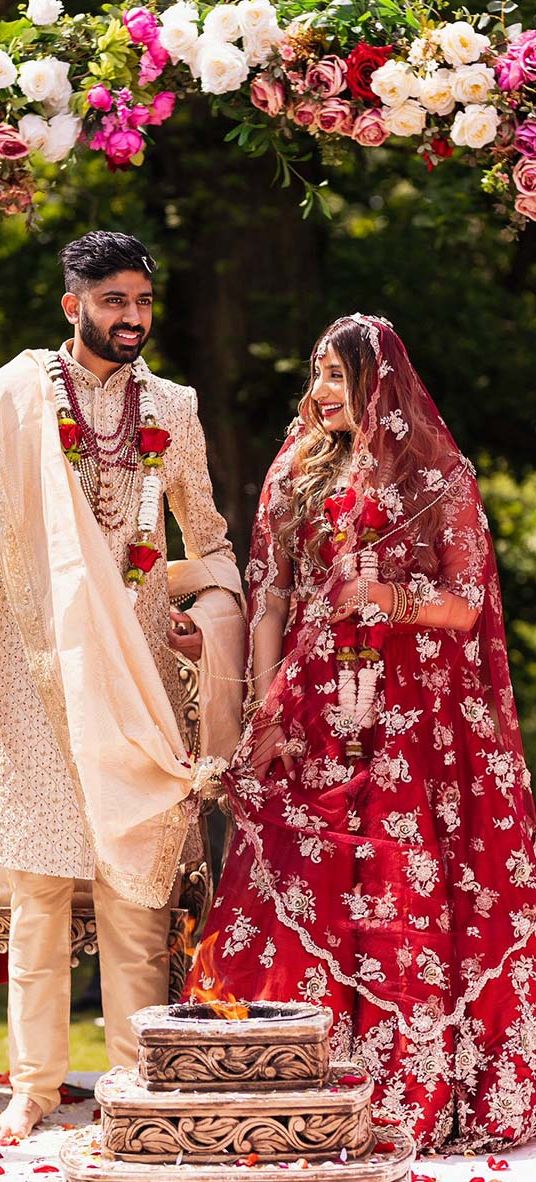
(283, 72)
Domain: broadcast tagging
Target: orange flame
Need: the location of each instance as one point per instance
(224, 1005)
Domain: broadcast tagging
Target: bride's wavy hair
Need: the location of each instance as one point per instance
(323, 454)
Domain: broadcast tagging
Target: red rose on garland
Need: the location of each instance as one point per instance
(70, 434)
(153, 440)
(334, 507)
(372, 516)
(362, 62)
(440, 148)
(143, 557)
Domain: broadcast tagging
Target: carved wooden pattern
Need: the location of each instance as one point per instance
(225, 1066)
(217, 1137)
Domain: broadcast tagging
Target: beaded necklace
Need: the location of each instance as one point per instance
(96, 456)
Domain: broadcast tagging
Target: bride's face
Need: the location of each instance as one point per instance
(329, 391)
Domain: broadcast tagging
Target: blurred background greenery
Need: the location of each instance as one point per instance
(245, 285)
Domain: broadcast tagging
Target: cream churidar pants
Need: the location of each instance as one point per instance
(134, 964)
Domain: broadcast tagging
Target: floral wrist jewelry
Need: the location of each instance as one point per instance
(95, 457)
(357, 602)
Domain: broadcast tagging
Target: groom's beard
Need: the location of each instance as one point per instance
(106, 344)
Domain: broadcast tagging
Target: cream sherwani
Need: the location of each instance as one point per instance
(44, 841)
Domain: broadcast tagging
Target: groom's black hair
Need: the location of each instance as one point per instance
(101, 253)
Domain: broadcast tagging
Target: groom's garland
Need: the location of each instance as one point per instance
(151, 443)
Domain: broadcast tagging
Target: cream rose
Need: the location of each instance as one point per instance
(255, 15)
(259, 47)
(475, 127)
(179, 33)
(222, 23)
(435, 92)
(394, 83)
(407, 119)
(472, 84)
(33, 129)
(44, 12)
(8, 70)
(63, 132)
(221, 68)
(57, 102)
(40, 79)
(460, 44)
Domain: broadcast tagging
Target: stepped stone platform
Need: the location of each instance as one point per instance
(220, 1088)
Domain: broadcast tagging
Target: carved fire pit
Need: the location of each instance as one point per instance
(213, 1094)
(220, 1127)
(189, 1046)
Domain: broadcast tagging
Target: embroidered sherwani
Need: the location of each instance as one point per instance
(42, 829)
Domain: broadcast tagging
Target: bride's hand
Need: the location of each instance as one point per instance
(380, 593)
(268, 745)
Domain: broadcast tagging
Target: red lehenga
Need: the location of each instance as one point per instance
(397, 885)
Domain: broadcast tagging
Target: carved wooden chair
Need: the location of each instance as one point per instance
(192, 893)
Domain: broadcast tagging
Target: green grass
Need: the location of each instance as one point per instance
(88, 1051)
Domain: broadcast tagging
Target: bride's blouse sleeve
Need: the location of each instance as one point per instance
(463, 546)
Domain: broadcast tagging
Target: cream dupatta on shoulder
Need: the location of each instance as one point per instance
(87, 653)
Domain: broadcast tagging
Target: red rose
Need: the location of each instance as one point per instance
(153, 439)
(362, 62)
(143, 557)
(335, 506)
(440, 148)
(70, 435)
(372, 516)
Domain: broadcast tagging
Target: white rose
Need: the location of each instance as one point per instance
(179, 32)
(394, 83)
(33, 129)
(8, 70)
(221, 68)
(44, 12)
(63, 132)
(460, 44)
(57, 102)
(472, 84)
(40, 79)
(475, 127)
(435, 92)
(408, 119)
(258, 47)
(255, 15)
(223, 23)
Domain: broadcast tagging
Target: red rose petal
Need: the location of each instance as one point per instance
(384, 1147)
(500, 1164)
(46, 1170)
(96, 1114)
(9, 1141)
(351, 1081)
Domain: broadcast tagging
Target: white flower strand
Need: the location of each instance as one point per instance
(149, 504)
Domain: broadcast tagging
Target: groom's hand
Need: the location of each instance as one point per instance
(184, 637)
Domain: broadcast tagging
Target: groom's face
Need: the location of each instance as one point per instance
(114, 316)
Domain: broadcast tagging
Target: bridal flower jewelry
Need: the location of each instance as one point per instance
(125, 449)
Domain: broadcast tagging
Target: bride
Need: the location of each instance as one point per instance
(384, 863)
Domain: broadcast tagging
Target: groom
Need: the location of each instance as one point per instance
(94, 774)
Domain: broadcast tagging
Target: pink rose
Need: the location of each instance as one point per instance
(524, 175)
(267, 94)
(369, 129)
(141, 24)
(526, 206)
(525, 139)
(327, 77)
(518, 64)
(162, 108)
(152, 62)
(12, 146)
(305, 114)
(527, 58)
(336, 115)
(122, 144)
(99, 97)
(138, 116)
